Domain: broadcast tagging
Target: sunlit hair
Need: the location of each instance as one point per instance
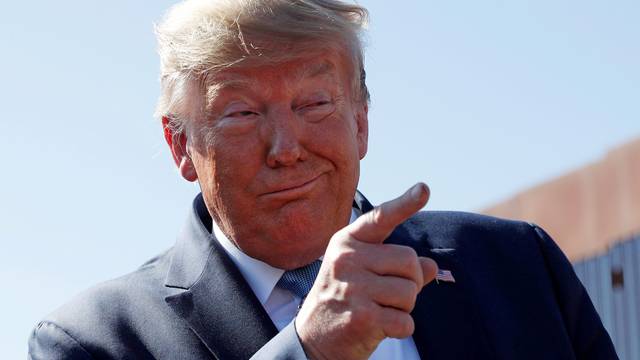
(199, 38)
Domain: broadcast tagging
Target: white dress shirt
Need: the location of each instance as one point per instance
(282, 305)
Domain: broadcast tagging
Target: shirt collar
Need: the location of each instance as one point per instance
(261, 277)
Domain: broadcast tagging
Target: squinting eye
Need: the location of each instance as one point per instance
(313, 105)
(239, 114)
(319, 103)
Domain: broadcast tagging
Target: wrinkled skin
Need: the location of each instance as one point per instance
(277, 159)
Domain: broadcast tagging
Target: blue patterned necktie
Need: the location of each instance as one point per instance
(299, 281)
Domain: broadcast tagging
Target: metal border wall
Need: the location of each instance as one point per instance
(613, 283)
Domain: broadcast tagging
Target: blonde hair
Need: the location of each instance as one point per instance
(198, 38)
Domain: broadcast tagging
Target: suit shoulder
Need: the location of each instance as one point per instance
(50, 341)
(459, 220)
(454, 228)
(113, 300)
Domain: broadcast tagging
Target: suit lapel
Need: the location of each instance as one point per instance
(212, 296)
(361, 203)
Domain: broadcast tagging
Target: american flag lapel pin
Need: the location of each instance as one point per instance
(444, 275)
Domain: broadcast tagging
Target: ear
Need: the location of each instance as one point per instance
(178, 145)
(362, 123)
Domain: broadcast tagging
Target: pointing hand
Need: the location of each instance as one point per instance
(365, 290)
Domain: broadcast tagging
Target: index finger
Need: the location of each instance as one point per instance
(376, 225)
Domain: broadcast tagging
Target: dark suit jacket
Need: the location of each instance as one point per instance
(515, 297)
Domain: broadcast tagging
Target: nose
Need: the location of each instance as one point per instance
(284, 140)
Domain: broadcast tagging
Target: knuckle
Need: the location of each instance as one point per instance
(377, 216)
(339, 294)
(411, 290)
(331, 296)
(400, 326)
(406, 325)
(411, 301)
(408, 258)
(411, 262)
(343, 260)
(339, 237)
(348, 290)
(405, 295)
(409, 255)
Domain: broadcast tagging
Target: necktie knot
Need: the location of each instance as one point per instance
(299, 281)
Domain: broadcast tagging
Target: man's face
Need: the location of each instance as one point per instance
(277, 158)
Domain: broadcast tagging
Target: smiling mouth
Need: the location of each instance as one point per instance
(294, 190)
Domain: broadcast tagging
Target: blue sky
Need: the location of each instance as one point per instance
(478, 99)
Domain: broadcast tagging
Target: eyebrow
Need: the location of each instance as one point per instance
(315, 69)
(213, 90)
(307, 71)
(234, 83)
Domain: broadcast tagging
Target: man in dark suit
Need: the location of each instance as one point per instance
(264, 103)
(515, 297)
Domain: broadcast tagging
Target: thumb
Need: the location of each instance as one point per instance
(429, 269)
(375, 225)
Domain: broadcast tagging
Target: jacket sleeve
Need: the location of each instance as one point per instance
(51, 342)
(589, 338)
(284, 346)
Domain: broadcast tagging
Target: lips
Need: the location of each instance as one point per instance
(293, 188)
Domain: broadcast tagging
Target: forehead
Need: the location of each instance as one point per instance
(292, 71)
(287, 74)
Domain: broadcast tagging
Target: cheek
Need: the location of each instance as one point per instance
(336, 137)
(237, 161)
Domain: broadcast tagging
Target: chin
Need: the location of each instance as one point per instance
(300, 243)
(299, 231)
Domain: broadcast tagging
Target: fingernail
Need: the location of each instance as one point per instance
(418, 190)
